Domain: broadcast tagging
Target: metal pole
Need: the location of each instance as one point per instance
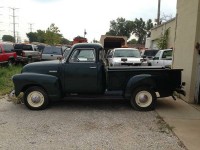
(158, 14)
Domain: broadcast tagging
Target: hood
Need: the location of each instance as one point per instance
(43, 67)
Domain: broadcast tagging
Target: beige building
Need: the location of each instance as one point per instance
(184, 35)
(158, 31)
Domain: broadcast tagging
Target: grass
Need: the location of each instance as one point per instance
(6, 73)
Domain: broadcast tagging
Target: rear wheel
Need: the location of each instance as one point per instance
(143, 99)
(10, 62)
(35, 98)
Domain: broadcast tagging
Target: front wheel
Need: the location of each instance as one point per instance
(35, 98)
(143, 99)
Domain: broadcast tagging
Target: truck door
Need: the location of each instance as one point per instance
(81, 72)
(167, 58)
(156, 59)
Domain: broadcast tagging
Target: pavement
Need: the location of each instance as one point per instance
(183, 119)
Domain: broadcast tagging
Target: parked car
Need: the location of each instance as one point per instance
(52, 52)
(43, 82)
(148, 55)
(125, 56)
(7, 56)
(162, 58)
(27, 53)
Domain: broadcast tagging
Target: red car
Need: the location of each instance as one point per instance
(7, 56)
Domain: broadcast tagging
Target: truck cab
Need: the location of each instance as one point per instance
(162, 58)
(7, 56)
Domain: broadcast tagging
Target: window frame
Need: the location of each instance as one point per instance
(79, 49)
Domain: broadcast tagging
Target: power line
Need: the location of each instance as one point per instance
(14, 23)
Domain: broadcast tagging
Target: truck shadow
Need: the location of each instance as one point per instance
(92, 105)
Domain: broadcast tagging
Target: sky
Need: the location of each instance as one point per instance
(72, 17)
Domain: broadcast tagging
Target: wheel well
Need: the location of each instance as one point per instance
(28, 86)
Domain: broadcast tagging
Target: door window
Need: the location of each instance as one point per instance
(167, 55)
(83, 55)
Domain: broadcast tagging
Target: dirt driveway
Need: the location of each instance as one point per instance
(84, 125)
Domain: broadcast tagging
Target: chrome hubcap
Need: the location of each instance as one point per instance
(35, 99)
(143, 98)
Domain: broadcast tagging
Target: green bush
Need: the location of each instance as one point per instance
(6, 73)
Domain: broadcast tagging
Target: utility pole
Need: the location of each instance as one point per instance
(13, 9)
(31, 27)
(0, 23)
(158, 14)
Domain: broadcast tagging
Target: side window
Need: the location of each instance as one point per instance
(167, 55)
(83, 55)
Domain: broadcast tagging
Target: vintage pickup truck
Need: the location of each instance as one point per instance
(84, 73)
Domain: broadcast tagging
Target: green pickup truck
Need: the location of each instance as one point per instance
(84, 73)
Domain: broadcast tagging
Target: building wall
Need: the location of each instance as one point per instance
(187, 34)
(157, 32)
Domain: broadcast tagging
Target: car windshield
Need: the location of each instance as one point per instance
(8, 47)
(127, 53)
(27, 47)
(52, 50)
(150, 52)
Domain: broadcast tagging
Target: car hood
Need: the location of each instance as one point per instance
(43, 67)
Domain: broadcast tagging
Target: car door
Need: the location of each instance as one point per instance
(80, 72)
(1, 55)
(156, 61)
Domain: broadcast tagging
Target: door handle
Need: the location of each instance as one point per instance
(93, 67)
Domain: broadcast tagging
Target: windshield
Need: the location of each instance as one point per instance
(127, 53)
(52, 50)
(27, 47)
(8, 47)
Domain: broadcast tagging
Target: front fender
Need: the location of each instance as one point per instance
(49, 83)
(138, 81)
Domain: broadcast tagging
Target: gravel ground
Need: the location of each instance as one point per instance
(84, 125)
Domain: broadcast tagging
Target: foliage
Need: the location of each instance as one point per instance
(6, 74)
(133, 41)
(140, 29)
(8, 38)
(123, 27)
(65, 41)
(163, 40)
(52, 36)
(120, 27)
(32, 36)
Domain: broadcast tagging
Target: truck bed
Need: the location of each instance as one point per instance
(118, 77)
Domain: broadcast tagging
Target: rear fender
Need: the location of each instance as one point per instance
(49, 83)
(138, 81)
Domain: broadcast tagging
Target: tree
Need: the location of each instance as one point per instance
(133, 41)
(120, 27)
(41, 36)
(32, 36)
(64, 41)
(8, 38)
(140, 29)
(52, 35)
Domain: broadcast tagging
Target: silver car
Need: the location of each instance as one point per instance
(125, 56)
(52, 53)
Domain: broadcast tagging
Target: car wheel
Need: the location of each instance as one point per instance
(10, 62)
(143, 99)
(30, 60)
(35, 98)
